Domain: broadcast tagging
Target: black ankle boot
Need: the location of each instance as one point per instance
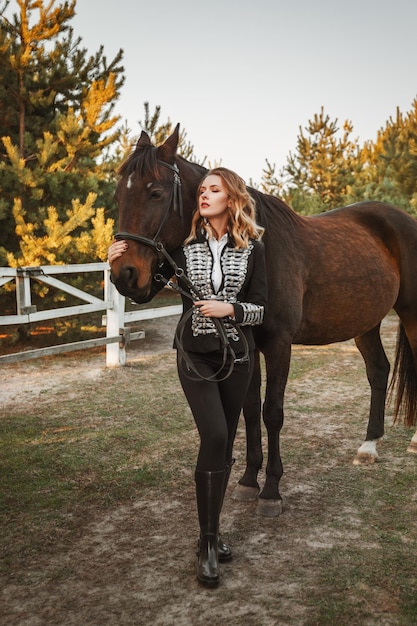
(209, 490)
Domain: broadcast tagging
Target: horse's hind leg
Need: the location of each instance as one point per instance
(377, 371)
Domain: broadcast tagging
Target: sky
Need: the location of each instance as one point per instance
(241, 77)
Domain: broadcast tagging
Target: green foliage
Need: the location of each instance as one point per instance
(317, 175)
(390, 164)
(60, 143)
(329, 168)
(56, 130)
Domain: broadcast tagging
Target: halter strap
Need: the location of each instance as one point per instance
(175, 200)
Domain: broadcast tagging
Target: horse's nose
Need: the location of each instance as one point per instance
(128, 275)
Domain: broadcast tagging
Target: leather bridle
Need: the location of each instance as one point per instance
(176, 203)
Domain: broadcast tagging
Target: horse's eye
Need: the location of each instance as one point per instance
(155, 194)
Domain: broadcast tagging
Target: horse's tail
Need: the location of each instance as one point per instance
(404, 381)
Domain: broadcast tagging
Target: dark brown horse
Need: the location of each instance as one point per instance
(331, 277)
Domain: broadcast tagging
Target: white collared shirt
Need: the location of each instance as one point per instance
(216, 248)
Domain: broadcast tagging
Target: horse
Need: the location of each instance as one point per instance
(331, 277)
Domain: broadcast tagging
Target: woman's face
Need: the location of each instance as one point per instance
(213, 199)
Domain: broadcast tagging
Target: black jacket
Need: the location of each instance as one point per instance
(244, 285)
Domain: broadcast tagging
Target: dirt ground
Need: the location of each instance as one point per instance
(134, 565)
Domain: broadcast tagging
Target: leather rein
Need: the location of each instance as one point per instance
(176, 202)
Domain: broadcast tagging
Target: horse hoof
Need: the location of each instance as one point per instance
(412, 447)
(366, 454)
(363, 458)
(269, 508)
(242, 493)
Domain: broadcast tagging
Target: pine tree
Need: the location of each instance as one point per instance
(56, 127)
(323, 167)
(390, 163)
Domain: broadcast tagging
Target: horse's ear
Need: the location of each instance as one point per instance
(144, 140)
(168, 149)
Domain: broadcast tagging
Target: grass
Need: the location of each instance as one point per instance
(91, 451)
(350, 536)
(368, 518)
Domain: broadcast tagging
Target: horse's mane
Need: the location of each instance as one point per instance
(272, 212)
(142, 160)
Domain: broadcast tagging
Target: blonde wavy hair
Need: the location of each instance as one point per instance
(242, 224)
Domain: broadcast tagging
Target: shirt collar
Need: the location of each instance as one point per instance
(203, 236)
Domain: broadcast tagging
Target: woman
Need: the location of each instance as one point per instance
(224, 295)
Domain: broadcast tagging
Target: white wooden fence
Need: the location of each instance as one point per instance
(116, 318)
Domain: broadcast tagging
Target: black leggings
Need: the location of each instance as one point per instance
(215, 405)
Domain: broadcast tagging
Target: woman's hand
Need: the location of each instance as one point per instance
(116, 249)
(215, 308)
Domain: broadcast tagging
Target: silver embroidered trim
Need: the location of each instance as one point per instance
(253, 314)
(234, 262)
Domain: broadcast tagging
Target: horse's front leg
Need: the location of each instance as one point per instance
(247, 488)
(413, 444)
(277, 358)
(377, 371)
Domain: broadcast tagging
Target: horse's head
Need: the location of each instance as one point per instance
(156, 197)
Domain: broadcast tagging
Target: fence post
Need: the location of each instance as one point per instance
(23, 295)
(115, 352)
